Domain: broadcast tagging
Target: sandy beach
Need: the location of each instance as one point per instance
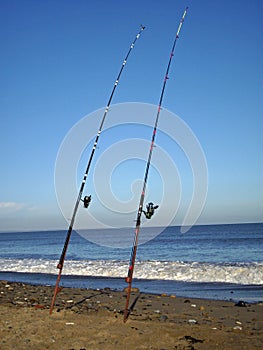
(93, 319)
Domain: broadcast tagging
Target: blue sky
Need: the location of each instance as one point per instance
(59, 60)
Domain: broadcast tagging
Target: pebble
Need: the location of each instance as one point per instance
(192, 321)
(241, 303)
(75, 309)
(163, 318)
(192, 340)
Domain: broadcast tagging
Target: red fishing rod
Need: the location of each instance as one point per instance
(87, 199)
(140, 209)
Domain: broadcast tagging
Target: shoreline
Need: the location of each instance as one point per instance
(197, 290)
(93, 319)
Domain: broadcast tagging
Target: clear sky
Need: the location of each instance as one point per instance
(59, 60)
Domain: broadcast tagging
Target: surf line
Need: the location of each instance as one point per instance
(129, 277)
(87, 199)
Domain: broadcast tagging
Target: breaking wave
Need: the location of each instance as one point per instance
(238, 273)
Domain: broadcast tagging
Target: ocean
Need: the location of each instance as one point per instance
(223, 262)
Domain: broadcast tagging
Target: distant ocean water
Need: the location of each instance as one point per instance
(209, 261)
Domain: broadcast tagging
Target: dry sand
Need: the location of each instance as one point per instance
(93, 319)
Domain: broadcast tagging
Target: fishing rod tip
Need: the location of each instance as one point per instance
(142, 27)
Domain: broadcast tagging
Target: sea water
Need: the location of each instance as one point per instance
(209, 261)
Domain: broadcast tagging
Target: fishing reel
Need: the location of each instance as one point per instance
(150, 208)
(86, 201)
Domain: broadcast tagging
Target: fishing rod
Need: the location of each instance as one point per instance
(87, 199)
(140, 209)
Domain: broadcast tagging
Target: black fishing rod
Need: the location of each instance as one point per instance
(87, 199)
(140, 210)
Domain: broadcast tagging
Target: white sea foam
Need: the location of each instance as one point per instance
(246, 273)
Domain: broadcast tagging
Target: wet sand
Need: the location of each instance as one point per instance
(93, 319)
